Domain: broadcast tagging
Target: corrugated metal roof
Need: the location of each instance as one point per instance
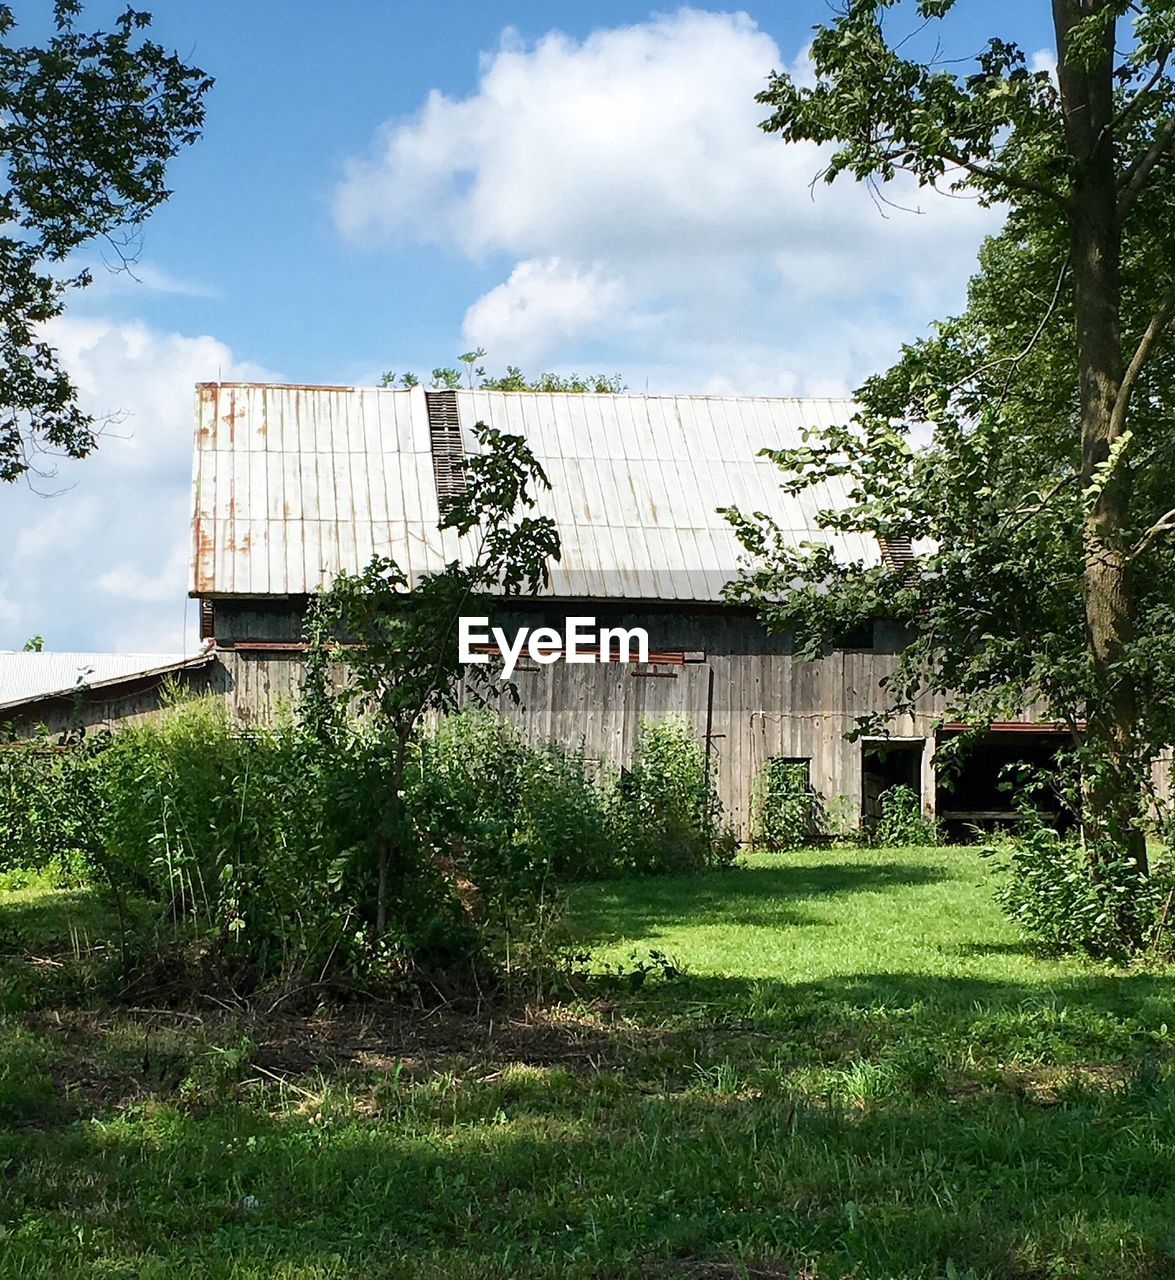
(27, 677)
(293, 484)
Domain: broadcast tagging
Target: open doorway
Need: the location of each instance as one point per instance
(981, 791)
(886, 763)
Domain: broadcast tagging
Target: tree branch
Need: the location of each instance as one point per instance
(1027, 513)
(1134, 178)
(1135, 102)
(1164, 524)
(1016, 360)
(1013, 180)
(1151, 335)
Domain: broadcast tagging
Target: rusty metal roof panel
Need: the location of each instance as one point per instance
(293, 484)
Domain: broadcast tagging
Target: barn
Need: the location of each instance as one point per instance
(295, 483)
(64, 694)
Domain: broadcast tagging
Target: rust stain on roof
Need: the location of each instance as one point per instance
(349, 475)
(205, 552)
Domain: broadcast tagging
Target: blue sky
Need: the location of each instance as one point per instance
(382, 186)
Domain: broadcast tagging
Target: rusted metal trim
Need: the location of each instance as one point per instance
(269, 646)
(1053, 727)
(281, 386)
(658, 658)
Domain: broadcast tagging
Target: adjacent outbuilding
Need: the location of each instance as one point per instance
(64, 693)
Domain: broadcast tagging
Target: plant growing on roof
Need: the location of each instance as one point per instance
(397, 639)
(449, 379)
(1047, 496)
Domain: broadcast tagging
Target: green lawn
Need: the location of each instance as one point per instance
(860, 1070)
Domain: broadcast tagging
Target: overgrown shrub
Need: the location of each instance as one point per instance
(666, 813)
(261, 851)
(902, 824)
(258, 846)
(520, 815)
(1046, 887)
(51, 806)
(785, 809)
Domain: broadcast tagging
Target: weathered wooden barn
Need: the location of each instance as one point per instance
(294, 483)
(64, 693)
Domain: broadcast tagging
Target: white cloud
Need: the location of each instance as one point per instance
(1044, 60)
(129, 581)
(647, 215)
(543, 301)
(103, 561)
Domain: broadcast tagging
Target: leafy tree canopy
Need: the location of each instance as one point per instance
(396, 638)
(88, 122)
(1043, 508)
(473, 374)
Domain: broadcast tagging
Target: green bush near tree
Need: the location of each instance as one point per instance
(902, 824)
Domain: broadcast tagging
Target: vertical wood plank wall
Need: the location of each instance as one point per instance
(748, 696)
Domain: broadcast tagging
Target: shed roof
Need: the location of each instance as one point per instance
(293, 484)
(30, 677)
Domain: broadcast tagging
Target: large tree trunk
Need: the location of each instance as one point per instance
(1113, 796)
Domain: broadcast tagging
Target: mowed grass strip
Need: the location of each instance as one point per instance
(860, 1069)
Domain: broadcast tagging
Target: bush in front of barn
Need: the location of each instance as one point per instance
(254, 853)
(543, 813)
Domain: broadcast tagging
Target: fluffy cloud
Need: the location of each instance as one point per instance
(648, 216)
(98, 549)
(544, 301)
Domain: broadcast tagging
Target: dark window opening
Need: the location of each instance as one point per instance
(787, 811)
(857, 639)
(981, 791)
(886, 764)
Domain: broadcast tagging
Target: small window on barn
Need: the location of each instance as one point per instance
(786, 808)
(448, 453)
(858, 639)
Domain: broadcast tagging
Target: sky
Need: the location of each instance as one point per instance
(382, 186)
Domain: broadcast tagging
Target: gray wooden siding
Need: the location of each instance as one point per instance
(748, 697)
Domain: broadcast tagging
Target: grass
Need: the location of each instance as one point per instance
(843, 1064)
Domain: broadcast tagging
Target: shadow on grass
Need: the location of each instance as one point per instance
(870, 1123)
(669, 1153)
(1020, 948)
(52, 920)
(771, 896)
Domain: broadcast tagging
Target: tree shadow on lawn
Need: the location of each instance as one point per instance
(609, 911)
(606, 1173)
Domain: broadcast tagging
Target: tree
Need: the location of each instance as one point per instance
(397, 639)
(87, 125)
(1044, 496)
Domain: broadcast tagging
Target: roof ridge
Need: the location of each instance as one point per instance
(496, 391)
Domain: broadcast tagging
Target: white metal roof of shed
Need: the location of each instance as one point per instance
(293, 484)
(28, 677)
